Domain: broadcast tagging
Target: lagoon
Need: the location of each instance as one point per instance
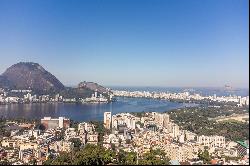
(87, 112)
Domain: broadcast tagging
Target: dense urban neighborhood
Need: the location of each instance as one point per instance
(26, 96)
(186, 97)
(124, 138)
(124, 82)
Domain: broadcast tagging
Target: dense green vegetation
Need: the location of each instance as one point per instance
(204, 156)
(19, 120)
(97, 155)
(138, 114)
(76, 93)
(77, 143)
(198, 120)
(3, 131)
(154, 157)
(205, 102)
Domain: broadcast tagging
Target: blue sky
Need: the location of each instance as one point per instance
(194, 43)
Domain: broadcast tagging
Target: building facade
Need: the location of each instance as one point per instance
(50, 123)
(107, 120)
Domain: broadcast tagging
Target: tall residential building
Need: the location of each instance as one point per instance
(107, 119)
(175, 130)
(131, 122)
(158, 118)
(61, 122)
(161, 119)
(165, 119)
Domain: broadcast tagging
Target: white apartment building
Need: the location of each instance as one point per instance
(211, 141)
(124, 119)
(161, 119)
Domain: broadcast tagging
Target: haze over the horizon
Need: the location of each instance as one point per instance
(186, 43)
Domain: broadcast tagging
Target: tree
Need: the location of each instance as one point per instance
(49, 160)
(113, 146)
(204, 156)
(74, 124)
(60, 135)
(128, 141)
(63, 159)
(77, 143)
(98, 155)
(130, 158)
(6, 133)
(107, 156)
(93, 155)
(139, 123)
(120, 141)
(154, 157)
(32, 137)
(121, 157)
(185, 137)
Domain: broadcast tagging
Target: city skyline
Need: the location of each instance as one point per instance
(130, 43)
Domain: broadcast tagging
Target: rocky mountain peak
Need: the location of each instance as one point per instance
(29, 75)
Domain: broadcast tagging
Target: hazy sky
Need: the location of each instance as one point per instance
(130, 42)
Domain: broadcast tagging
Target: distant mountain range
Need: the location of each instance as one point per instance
(29, 75)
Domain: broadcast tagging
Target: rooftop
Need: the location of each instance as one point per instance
(243, 144)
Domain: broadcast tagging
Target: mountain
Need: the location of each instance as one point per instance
(4, 82)
(92, 86)
(29, 75)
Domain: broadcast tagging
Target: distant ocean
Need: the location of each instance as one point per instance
(206, 91)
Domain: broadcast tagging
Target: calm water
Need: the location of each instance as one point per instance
(86, 112)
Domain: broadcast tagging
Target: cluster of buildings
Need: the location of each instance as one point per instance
(127, 132)
(156, 131)
(6, 98)
(97, 99)
(27, 144)
(241, 101)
